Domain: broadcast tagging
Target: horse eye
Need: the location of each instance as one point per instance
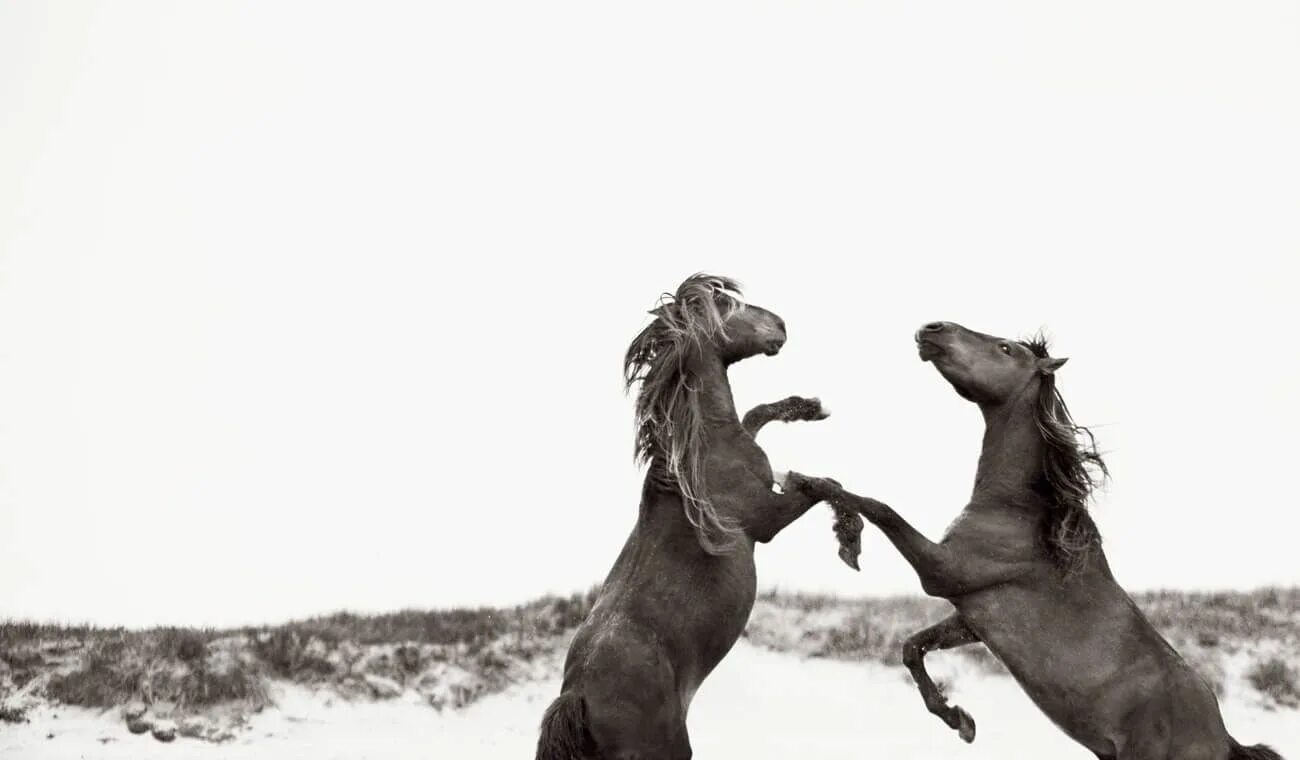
(1006, 349)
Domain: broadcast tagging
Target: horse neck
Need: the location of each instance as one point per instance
(709, 383)
(1011, 458)
(714, 389)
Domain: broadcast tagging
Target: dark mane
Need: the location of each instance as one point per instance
(1072, 469)
(669, 425)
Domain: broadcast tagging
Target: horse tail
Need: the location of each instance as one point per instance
(564, 734)
(1256, 752)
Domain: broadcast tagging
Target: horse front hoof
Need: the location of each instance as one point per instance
(965, 725)
(848, 531)
(798, 408)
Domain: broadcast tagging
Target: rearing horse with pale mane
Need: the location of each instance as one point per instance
(681, 591)
(1024, 568)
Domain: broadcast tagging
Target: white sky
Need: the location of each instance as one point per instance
(307, 306)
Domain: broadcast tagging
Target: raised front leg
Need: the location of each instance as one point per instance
(769, 512)
(942, 571)
(950, 632)
(788, 409)
(848, 524)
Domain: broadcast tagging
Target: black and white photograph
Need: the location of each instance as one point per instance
(585, 380)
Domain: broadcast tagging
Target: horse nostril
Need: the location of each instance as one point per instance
(935, 326)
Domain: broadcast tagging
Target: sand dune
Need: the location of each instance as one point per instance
(759, 704)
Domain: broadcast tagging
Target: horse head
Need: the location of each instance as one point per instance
(706, 315)
(983, 368)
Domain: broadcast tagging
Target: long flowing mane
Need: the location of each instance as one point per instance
(669, 423)
(1072, 469)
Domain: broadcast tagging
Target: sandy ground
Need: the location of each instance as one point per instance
(757, 705)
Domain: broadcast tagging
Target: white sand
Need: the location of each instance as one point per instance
(757, 705)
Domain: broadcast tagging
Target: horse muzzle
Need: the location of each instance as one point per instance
(927, 340)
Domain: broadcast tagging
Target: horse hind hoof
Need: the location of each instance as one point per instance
(965, 725)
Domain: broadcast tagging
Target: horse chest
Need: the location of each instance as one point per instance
(1006, 537)
(755, 462)
(955, 528)
(969, 534)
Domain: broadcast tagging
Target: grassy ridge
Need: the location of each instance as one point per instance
(874, 628)
(1258, 631)
(454, 657)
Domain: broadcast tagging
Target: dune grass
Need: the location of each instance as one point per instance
(193, 668)
(876, 627)
(1277, 681)
(489, 648)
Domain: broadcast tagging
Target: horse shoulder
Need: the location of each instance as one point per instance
(738, 467)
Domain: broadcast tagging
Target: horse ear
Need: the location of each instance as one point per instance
(658, 311)
(1049, 365)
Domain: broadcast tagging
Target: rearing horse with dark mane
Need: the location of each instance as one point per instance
(1024, 567)
(681, 591)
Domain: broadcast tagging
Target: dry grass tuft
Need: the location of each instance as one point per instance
(1276, 680)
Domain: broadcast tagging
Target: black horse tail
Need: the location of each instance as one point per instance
(564, 729)
(1257, 752)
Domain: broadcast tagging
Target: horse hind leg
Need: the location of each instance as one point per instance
(946, 634)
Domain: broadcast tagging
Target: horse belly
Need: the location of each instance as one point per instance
(714, 610)
(1068, 665)
(695, 611)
